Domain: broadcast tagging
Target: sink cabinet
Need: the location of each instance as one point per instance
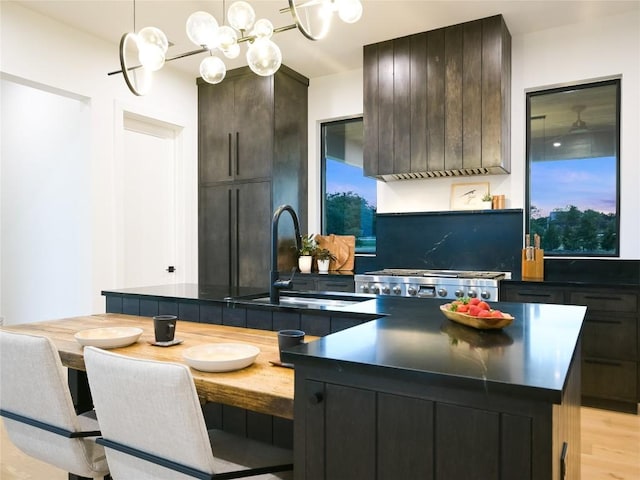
(610, 337)
(439, 102)
(252, 157)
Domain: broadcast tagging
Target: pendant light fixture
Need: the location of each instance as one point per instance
(144, 52)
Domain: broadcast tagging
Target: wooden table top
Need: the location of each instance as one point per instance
(261, 387)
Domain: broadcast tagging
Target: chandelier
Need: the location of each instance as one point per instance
(145, 52)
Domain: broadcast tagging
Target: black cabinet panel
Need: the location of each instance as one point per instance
(167, 307)
(286, 320)
(405, 430)
(315, 324)
(611, 379)
(259, 427)
(335, 285)
(131, 306)
(260, 319)
(350, 413)
(189, 312)
(235, 317)
(516, 436)
(211, 314)
(606, 301)
(113, 304)
(467, 443)
(609, 336)
(149, 308)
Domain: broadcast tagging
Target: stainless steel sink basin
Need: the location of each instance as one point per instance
(311, 302)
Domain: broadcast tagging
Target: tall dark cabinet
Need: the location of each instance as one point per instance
(439, 102)
(252, 157)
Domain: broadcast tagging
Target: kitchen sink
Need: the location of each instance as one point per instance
(311, 302)
(317, 302)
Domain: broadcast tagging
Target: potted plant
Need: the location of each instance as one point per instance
(324, 257)
(305, 254)
(486, 201)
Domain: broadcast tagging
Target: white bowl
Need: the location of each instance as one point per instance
(220, 357)
(109, 337)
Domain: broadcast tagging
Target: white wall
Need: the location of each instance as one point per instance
(46, 54)
(610, 46)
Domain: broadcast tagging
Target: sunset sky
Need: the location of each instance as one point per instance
(588, 183)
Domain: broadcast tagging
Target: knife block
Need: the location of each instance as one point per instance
(533, 269)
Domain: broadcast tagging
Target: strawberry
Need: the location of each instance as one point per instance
(484, 313)
(463, 308)
(474, 310)
(474, 301)
(484, 305)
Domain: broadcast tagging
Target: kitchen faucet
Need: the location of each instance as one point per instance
(275, 284)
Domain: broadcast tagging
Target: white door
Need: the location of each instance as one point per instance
(148, 203)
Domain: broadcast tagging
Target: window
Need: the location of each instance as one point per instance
(573, 159)
(348, 197)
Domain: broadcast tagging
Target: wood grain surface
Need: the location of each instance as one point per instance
(261, 387)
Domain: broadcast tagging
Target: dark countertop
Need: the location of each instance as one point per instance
(530, 358)
(188, 291)
(411, 338)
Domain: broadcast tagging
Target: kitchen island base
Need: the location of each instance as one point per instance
(357, 422)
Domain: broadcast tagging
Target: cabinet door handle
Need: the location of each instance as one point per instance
(563, 461)
(602, 297)
(229, 155)
(603, 362)
(608, 322)
(316, 398)
(237, 153)
(237, 237)
(532, 294)
(230, 237)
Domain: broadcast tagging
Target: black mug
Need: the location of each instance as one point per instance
(289, 338)
(164, 327)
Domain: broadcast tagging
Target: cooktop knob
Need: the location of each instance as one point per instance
(375, 289)
(386, 290)
(397, 290)
(442, 292)
(486, 295)
(459, 293)
(411, 290)
(473, 294)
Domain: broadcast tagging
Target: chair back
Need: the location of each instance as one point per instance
(149, 406)
(33, 384)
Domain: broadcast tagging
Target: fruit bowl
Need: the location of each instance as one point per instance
(483, 323)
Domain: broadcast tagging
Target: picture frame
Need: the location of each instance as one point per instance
(468, 196)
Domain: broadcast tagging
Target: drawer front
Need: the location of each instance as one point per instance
(335, 285)
(531, 295)
(304, 284)
(614, 380)
(609, 302)
(610, 337)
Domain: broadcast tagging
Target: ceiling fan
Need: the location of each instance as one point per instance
(579, 126)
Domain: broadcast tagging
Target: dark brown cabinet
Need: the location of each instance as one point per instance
(610, 337)
(235, 234)
(377, 426)
(252, 157)
(439, 102)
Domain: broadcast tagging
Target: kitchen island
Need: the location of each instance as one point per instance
(414, 395)
(399, 391)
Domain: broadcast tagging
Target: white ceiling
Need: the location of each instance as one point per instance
(342, 50)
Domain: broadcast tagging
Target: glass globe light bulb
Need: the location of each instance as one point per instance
(201, 29)
(264, 57)
(263, 28)
(349, 11)
(152, 46)
(226, 37)
(212, 70)
(241, 16)
(232, 52)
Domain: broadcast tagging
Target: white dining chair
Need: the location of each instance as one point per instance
(153, 426)
(38, 411)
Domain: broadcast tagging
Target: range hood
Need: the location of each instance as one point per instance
(458, 172)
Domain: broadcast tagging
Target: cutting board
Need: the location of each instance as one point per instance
(342, 246)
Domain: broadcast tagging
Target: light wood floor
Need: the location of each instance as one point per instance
(610, 450)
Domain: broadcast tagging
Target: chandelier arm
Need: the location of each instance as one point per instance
(123, 66)
(182, 55)
(293, 9)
